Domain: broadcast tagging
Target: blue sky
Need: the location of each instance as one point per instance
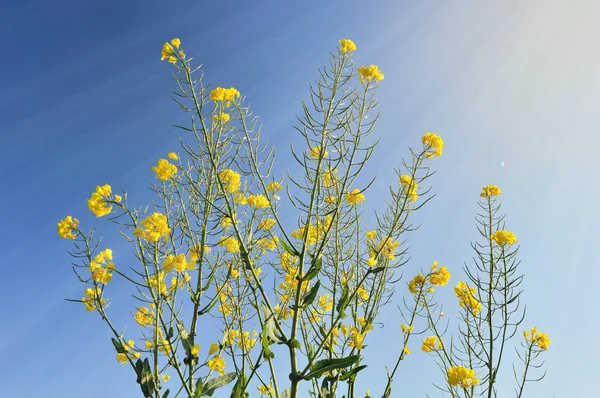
(84, 100)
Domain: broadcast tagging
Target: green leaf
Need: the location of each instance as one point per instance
(147, 380)
(264, 339)
(294, 343)
(376, 270)
(199, 387)
(185, 337)
(314, 269)
(119, 346)
(287, 248)
(351, 374)
(209, 388)
(239, 387)
(325, 365)
(311, 295)
(270, 327)
(343, 303)
(170, 333)
(166, 394)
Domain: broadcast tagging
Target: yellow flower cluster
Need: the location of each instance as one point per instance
(465, 377)
(179, 263)
(125, 357)
(230, 179)
(266, 390)
(416, 284)
(157, 281)
(217, 364)
(317, 151)
(97, 204)
(371, 72)
(502, 237)
(144, 316)
(268, 244)
(315, 232)
(355, 197)
(347, 46)
(230, 244)
(433, 141)
(410, 187)
(222, 117)
(439, 277)
(431, 344)
(489, 191)
(329, 178)
(466, 297)
(388, 248)
(99, 273)
(164, 169)
(326, 302)
(266, 223)
(224, 94)
(66, 227)
(537, 338)
(92, 299)
(257, 201)
(167, 51)
(274, 187)
(154, 226)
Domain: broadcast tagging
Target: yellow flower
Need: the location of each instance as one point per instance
(355, 197)
(230, 244)
(264, 390)
(118, 198)
(407, 328)
(274, 186)
(347, 46)
(268, 244)
(357, 339)
(97, 204)
(416, 284)
(173, 156)
(326, 302)
(166, 52)
(164, 170)
(431, 344)
(217, 364)
(222, 117)
(329, 199)
(101, 275)
(213, 348)
(489, 191)
(257, 201)
(164, 377)
(433, 141)
(230, 179)
(122, 357)
(316, 152)
(176, 42)
(537, 338)
(502, 237)
(362, 293)
(406, 350)
(172, 60)
(66, 227)
(195, 350)
(144, 317)
(440, 277)
(371, 72)
(92, 300)
(266, 224)
(153, 228)
(410, 187)
(224, 94)
(329, 178)
(466, 297)
(371, 235)
(240, 199)
(465, 377)
(371, 262)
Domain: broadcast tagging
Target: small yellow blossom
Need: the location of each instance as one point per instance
(489, 191)
(362, 293)
(217, 364)
(274, 187)
(355, 197)
(433, 141)
(172, 156)
(537, 338)
(214, 347)
(410, 187)
(195, 350)
(66, 227)
(172, 60)
(347, 46)
(326, 302)
(371, 72)
(164, 377)
(502, 238)
(230, 179)
(461, 376)
(466, 297)
(144, 316)
(316, 152)
(97, 204)
(230, 244)
(222, 117)
(176, 43)
(329, 178)
(164, 170)
(257, 201)
(371, 235)
(416, 284)
(431, 344)
(406, 350)
(266, 224)
(266, 390)
(166, 52)
(224, 94)
(439, 277)
(407, 328)
(118, 198)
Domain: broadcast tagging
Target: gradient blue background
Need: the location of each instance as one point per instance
(84, 100)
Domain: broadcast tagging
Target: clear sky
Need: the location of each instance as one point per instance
(84, 100)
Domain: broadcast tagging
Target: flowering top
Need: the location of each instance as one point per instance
(355, 197)
(224, 94)
(164, 170)
(371, 72)
(66, 227)
(230, 179)
(465, 377)
(537, 338)
(489, 191)
(154, 227)
(502, 237)
(96, 203)
(431, 344)
(410, 187)
(168, 52)
(433, 141)
(439, 277)
(466, 297)
(347, 46)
